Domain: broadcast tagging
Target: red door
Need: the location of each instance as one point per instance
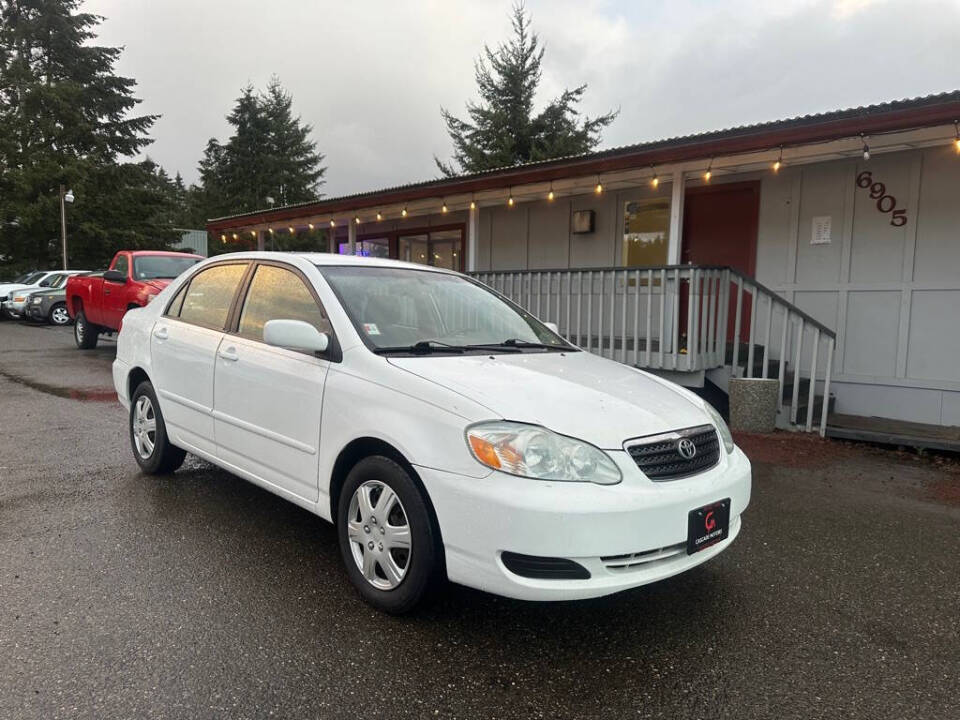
(720, 228)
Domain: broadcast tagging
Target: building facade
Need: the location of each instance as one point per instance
(852, 218)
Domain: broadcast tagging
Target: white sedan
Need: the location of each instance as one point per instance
(445, 431)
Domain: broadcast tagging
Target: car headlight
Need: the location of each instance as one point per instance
(534, 452)
(721, 427)
(37, 301)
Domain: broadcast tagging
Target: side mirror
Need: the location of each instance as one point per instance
(114, 276)
(553, 326)
(295, 335)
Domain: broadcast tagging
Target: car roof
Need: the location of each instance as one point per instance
(332, 259)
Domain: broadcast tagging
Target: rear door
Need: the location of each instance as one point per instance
(268, 400)
(183, 349)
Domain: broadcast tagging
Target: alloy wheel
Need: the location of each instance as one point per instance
(144, 427)
(379, 534)
(60, 316)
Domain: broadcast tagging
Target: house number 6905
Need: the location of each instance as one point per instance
(885, 203)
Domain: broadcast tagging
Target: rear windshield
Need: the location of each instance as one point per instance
(167, 267)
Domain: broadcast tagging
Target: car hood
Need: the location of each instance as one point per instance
(157, 285)
(576, 394)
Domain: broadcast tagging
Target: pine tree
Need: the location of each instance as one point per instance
(269, 155)
(65, 118)
(502, 129)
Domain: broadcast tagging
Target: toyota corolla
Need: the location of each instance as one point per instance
(445, 431)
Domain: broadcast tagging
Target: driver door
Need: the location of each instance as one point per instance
(115, 294)
(268, 400)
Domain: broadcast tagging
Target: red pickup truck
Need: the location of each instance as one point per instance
(98, 302)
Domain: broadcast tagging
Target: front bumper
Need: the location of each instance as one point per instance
(14, 310)
(35, 312)
(593, 525)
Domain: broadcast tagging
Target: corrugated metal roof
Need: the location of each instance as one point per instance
(757, 129)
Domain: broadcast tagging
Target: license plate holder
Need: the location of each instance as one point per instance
(708, 525)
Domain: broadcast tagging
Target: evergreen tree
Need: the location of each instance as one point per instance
(502, 129)
(65, 118)
(269, 155)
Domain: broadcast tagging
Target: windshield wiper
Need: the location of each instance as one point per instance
(424, 347)
(519, 344)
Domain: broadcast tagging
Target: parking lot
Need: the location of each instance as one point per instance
(199, 595)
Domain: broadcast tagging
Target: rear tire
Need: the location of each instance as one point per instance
(388, 540)
(59, 315)
(148, 434)
(84, 332)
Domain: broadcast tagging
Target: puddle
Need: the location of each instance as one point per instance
(91, 395)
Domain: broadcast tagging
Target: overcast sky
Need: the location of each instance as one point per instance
(371, 76)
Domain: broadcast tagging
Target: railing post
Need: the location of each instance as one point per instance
(590, 313)
(569, 300)
(796, 374)
(600, 298)
(826, 387)
(781, 375)
(623, 320)
(812, 391)
(675, 318)
(691, 318)
(724, 313)
(648, 339)
(712, 328)
(766, 338)
(753, 330)
(736, 325)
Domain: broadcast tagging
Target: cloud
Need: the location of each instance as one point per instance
(372, 76)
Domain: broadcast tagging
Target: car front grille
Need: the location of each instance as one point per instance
(633, 561)
(659, 457)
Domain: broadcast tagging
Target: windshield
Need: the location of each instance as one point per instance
(397, 308)
(32, 278)
(155, 267)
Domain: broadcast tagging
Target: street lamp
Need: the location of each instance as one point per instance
(66, 196)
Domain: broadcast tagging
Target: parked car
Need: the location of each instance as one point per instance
(15, 307)
(98, 302)
(444, 430)
(49, 305)
(37, 279)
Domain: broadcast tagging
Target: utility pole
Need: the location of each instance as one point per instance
(66, 196)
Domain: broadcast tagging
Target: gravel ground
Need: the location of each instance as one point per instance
(199, 595)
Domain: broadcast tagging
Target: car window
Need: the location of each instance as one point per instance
(122, 265)
(207, 300)
(48, 281)
(166, 267)
(173, 310)
(278, 294)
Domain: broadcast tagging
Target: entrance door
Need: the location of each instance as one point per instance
(720, 228)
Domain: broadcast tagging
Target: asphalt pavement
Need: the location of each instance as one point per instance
(199, 595)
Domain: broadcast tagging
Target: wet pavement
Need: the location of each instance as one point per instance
(199, 595)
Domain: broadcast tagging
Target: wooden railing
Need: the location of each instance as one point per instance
(681, 318)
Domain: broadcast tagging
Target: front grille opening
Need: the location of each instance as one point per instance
(659, 456)
(544, 568)
(645, 557)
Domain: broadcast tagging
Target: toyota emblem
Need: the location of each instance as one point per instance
(686, 449)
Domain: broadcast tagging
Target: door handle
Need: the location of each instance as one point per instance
(160, 333)
(106, 291)
(230, 355)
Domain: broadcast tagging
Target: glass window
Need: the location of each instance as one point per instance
(167, 267)
(398, 307)
(174, 308)
(278, 294)
(646, 231)
(371, 247)
(207, 300)
(442, 248)
(122, 265)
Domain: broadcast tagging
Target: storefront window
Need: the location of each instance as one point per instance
(646, 232)
(441, 249)
(371, 247)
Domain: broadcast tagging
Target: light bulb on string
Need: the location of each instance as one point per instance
(866, 148)
(779, 161)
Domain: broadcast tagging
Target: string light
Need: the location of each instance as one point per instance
(356, 219)
(779, 162)
(654, 181)
(271, 231)
(956, 134)
(235, 236)
(253, 233)
(599, 188)
(292, 231)
(379, 216)
(473, 205)
(333, 223)
(866, 148)
(709, 173)
(443, 208)
(550, 194)
(310, 226)
(223, 238)
(510, 198)
(403, 213)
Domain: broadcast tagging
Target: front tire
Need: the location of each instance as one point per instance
(387, 538)
(59, 315)
(84, 332)
(148, 434)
